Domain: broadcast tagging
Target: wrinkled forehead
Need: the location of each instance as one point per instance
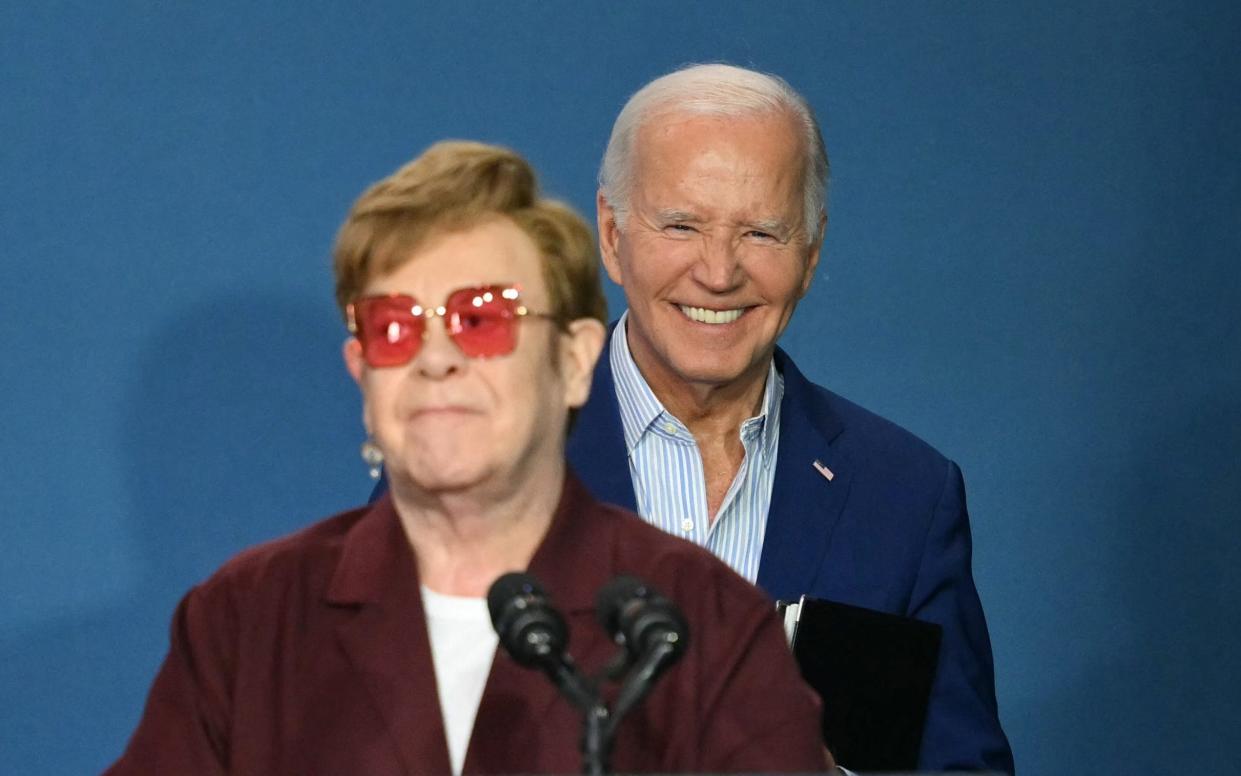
(751, 165)
(716, 125)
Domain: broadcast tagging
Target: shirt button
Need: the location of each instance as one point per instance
(669, 428)
(687, 525)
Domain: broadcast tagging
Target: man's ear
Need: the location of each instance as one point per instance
(354, 362)
(580, 347)
(609, 237)
(812, 259)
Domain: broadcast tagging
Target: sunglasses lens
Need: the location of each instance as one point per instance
(389, 331)
(483, 321)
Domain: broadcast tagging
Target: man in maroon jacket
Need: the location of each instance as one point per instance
(362, 643)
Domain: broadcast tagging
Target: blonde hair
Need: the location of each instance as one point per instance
(455, 185)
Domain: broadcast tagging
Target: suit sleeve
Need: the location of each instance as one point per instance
(962, 728)
(184, 727)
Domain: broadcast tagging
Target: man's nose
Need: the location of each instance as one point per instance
(719, 266)
(439, 356)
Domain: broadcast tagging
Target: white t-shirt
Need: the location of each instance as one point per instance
(463, 644)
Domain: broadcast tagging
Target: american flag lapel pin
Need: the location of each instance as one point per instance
(827, 473)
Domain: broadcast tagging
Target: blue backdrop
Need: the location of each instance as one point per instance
(1032, 262)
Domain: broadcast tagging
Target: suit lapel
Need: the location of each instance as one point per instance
(806, 499)
(382, 630)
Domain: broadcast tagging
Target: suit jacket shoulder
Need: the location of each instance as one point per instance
(843, 468)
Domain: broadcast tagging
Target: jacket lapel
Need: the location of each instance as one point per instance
(382, 629)
(806, 499)
(520, 705)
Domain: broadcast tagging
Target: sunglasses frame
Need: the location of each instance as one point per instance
(508, 291)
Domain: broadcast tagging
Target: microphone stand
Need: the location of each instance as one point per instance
(639, 683)
(599, 724)
(659, 628)
(597, 733)
(597, 740)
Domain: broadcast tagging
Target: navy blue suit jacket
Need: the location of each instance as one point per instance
(889, 532)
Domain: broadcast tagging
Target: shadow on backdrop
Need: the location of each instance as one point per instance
(231, 393)
(1167, 691)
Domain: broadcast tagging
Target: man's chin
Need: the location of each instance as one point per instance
(712, 373)
(443, 479)
(681, 357)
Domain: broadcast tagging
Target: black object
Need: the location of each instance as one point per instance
(534, 634)
(650, 628)
(874, 672)
(531, 631)
(640, 619)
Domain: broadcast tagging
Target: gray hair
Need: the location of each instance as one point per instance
(714, 90)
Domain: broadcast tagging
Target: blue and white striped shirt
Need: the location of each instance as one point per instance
(667, 472)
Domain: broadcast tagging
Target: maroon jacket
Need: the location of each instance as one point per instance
(309, 655)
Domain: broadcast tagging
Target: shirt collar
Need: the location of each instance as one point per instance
(769, 415)
(640, 408)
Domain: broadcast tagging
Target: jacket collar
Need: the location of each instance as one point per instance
(375, 560)
(379, 621)
(377, 565)
(374, 592)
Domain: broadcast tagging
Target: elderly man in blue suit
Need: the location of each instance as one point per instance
(711, 217)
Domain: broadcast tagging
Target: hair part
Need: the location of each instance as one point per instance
(713, 90)
(456, 185)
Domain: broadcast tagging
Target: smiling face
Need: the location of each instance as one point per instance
(446, 422)
(714, 253)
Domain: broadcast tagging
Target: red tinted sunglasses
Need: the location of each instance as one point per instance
(481, 320)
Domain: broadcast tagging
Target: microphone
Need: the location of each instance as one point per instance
(534, 634)
(641, 620)
(650, 628)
